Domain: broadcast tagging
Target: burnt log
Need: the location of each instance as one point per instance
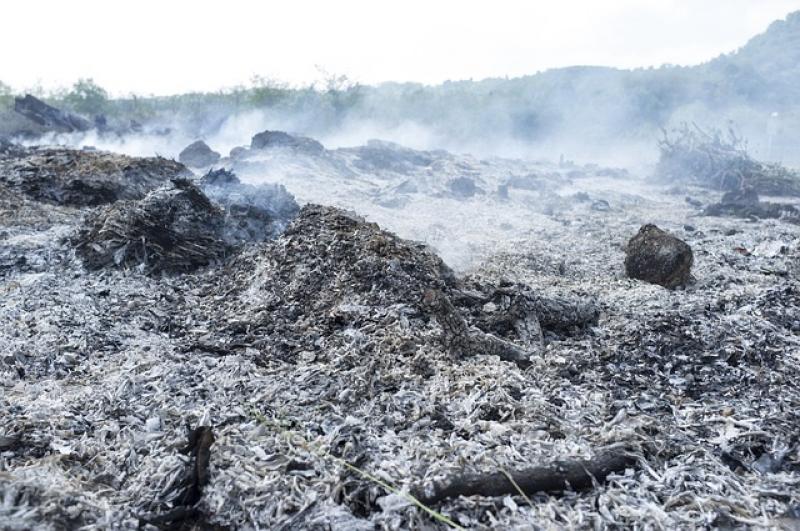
(48, 116)
(554, 478)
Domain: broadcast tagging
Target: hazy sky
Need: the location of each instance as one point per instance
(171, 46)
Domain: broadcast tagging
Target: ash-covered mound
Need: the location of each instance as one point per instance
(333, 276)
(329, 257)
(174, 228)
(198, 155)
(84, 177)
(330, 278)
(178, 228)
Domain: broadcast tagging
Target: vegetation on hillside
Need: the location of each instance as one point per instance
(748, 86)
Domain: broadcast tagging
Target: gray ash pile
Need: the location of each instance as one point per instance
(177, 228)
(174, 228)
(331, 273)
(83, 177)
(329, 256)
(253, 213)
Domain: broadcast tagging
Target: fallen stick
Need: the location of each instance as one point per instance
(560, 476)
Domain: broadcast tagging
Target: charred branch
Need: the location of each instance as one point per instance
(557, 477)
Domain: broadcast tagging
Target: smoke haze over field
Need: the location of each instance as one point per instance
(149, 47)
(607, 114)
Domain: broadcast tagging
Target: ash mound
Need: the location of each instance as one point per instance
(177, 228)
(83, 177)
(329, 255)
(328, 272)
(174, 228)
(332, 274)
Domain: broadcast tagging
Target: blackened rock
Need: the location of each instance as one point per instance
(272, 139)
(657, 257)
(198, 155)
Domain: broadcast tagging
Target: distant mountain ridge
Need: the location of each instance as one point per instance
(747, 88)
(771, 61)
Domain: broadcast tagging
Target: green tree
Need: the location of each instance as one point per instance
(87, 97)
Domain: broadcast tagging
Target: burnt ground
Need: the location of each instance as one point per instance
(309, 355)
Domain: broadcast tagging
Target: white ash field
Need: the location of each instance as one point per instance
(384, 338)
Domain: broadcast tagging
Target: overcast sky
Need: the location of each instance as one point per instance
(172, 46)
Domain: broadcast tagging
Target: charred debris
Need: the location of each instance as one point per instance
(221, 357)
(82, 178)
(719, 160)
(52, 120)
